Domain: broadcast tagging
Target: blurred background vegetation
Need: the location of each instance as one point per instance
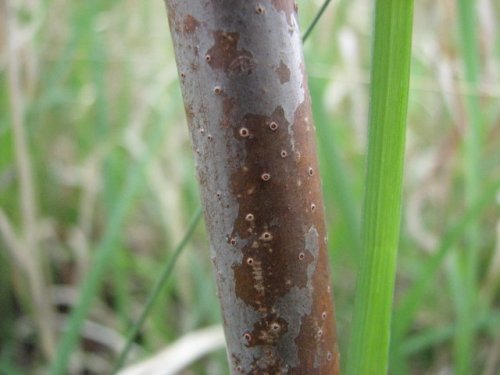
(96, 170)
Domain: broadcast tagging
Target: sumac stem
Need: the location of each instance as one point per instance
(245, 92)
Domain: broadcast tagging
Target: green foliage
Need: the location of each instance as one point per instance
(155, 292)
(369, 346)
(464, 275)
(114, 183)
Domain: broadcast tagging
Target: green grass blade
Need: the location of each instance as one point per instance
(469, 259)
(369, 345)
(406, 311)
(470, 54)
(315, 20)
(435, 336)
(155, 292)
(103, 253)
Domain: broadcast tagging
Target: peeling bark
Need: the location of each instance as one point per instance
(245, 92)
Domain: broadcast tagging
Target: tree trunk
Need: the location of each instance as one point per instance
(248, 107)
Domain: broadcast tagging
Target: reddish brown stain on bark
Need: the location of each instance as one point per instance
(190, 24)
(263, 362)
(272, 273)
(254, 141)
(286, 6)
(314, 330)
(283, 72)
(228, 104)
(272, 268)
(226, 56)
(267, 331)
(189, 112)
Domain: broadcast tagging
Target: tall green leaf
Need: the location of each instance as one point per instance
(369, 346)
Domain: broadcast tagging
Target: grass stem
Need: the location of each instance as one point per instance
(155, 292)
(469, 259)
(315, 20)
(369, 345)
(104, 252)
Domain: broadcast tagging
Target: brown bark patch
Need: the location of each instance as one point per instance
(286, 6)
(225, 55)
(190, 24)
(274, 259)
(267, 331)
(228, 104)
(283, 72)
(316, 331)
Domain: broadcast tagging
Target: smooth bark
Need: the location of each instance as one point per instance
(245, 91)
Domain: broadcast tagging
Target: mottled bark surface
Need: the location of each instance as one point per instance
(245, 91)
